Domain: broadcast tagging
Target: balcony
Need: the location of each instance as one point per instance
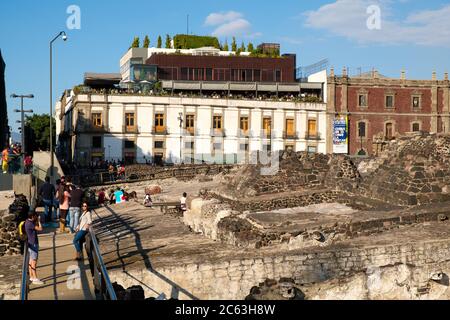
(90, 127)
(266, 134)
(312, 136)
(218, 133)
(290, 135)
(130, 129)
(243, 133)
(160, 130)
(190, 131)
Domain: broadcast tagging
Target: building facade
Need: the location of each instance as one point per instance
(379, 109)
(147, 128)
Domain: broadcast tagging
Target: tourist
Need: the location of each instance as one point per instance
(101, 197)
(28, 163)
(111, 172)
(5, 159)
(82, 229)
(47, 193)
(32, 226)
(148, 201)
(76, 195)
(183, 203)
(63, 195)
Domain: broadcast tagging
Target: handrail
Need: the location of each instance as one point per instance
(99, 264)
(24, 286)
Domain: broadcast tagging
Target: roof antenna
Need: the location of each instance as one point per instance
(187, 25)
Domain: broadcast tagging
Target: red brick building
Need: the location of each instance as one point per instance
(224, 68)
(379, 109)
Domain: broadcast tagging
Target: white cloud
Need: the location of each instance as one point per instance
(230, 23)
(219, 18)
(348, 18)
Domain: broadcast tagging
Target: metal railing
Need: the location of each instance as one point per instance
(102, 283)
(24, 284)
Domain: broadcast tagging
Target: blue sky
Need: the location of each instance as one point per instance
(414, 35)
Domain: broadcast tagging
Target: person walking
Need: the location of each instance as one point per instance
(32, 226)
(47, 193)
(183, 200)
(5, 159)
(76, 195)
(64, 196)
(111, 172)
(82, 230)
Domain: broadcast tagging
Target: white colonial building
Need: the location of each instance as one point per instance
(149, 128)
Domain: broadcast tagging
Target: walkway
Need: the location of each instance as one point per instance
(64, 278)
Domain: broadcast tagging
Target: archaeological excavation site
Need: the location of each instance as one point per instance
(322, 227)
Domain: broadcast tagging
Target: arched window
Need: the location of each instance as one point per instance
(389, 131)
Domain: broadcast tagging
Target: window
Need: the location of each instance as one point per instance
(97, 119)
(267, 124)
(256, 75)
(290, 132)
(277, 75)
(243, 146)
(159, 122)
(190, 122)
(96, 142)
(159, 144)
(129, 121)
(362, 100)
(184, 74)
(415, 127)
(243, 124)
(416, 102)
(389, 101)
(362, 129)
(189, 145)
(267, 147)
(389, 131)
(217, 146)
(217, 122)
(312, 149)
(312, 129)
(289, 147)
(208, 74)
(129, 144)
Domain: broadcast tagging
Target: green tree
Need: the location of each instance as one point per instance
(176, 43)
(234, 45)
(242, 47)
(135, 43)
(168, 46)
(38, 129)
(250, 47)
(159, 45)
(146, 42)
(225, 46)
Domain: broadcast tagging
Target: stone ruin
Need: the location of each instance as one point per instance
(247, 210)
(9, 221)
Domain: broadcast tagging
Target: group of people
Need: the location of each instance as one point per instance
(11, 157)
(67, 199)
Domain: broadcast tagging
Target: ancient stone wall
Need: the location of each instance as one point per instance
(412, 170)
(234, 279)
(9, 221)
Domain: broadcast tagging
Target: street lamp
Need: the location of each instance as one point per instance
(180, 118)
(22, 120)
(64, 37)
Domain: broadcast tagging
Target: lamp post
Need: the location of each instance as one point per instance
(180, 118)
(64, 37)
(22, 120)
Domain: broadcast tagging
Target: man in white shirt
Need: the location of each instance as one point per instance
(183, 203)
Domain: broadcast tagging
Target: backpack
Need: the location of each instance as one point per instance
(22, 232)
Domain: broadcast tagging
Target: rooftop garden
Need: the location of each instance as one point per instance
(184, 41)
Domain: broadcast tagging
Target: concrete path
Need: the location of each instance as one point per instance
(64, 278)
